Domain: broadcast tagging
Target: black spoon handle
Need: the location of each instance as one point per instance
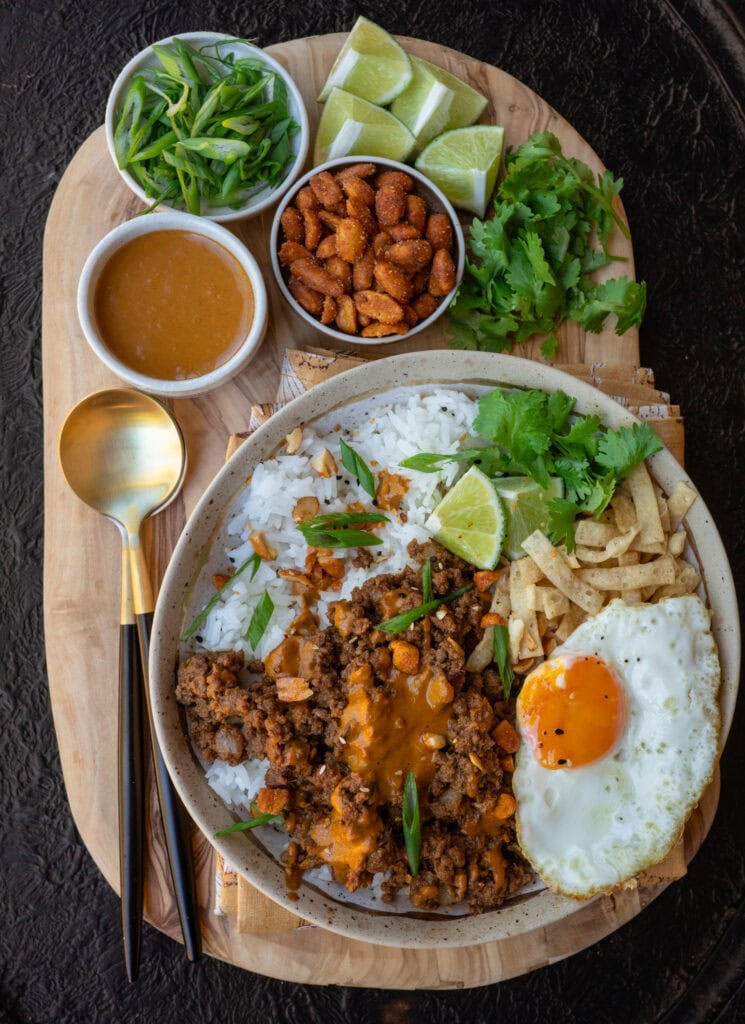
(176, 823)
(131, 796)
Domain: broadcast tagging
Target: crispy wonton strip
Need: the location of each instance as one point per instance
(592, 534)
(483, 652)
(679, 502)
(632, 577)
(645, 503)
(553, 566)
(523, 577)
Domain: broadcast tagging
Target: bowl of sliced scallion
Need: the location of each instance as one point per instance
(208, 124)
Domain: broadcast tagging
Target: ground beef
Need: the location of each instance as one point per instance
(332, 797)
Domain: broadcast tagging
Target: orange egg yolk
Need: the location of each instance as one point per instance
(572, 711)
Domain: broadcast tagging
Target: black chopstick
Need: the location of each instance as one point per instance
(176, 824)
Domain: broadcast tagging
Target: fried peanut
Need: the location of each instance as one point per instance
(390, 205)
(442, 274)
(326, 190)
(506, 736)
(331, 220)
(346, 314)
(292, 225)
(326, 247)
(324, 464)
(393, 281)
(396, 178)
(378, 306)
(410, 316)
(403, 232)
(341, 270)
(356, 171)
(328, 312)
(293, 440)
(305, 200)
(439, 232)
(351, 239)
(305, 508)
(359, 189)
(411, 256)
(291, 251)
(377, 329)
(310, 300)
(505, 806)
(485, 578)
(362, 271)
(272, 801)
(316, 277)
(424, 305)
(416, 212)
(381, 243)
(358, 211)
(405, 656)
(262, 547)
(313, 229)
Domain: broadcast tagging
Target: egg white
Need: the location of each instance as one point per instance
(589, 829)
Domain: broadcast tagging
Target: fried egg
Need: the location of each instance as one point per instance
(619, 736)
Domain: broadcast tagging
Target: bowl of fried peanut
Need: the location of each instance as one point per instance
(367, 248)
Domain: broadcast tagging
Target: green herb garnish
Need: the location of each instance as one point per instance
(530, 266)
(254, 561)
(401, 622)
(410, 821)
(260, 617)
(204, 127)
(331, 530)
(244, 826)
(427, 592)
(503, 660)
(534, 436)
(357, 466)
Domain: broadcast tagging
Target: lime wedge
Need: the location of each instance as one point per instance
(435, 101)
(351, 126)
(370, 64)
(464, 163)
(470, 520)
(525, 504)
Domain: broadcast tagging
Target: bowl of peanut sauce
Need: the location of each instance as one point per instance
(173, 305)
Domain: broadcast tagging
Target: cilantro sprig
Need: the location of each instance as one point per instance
(531, 264)
(537, 436)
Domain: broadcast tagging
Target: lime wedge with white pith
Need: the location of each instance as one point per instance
(350, 126)
(370, 64)
(470, 520)
(525, 504)
(465, 163)
(435, 101)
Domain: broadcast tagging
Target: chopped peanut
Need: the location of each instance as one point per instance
(506, 736)
(305, 508)
(439, 691)
(433, 740)
(405, 656)
(507, 764)
(293, 440)
(361, 676)
(505, 806)
(292, 689)
(485, 578)
(272, 801)
(261, 546)
(324, 464)
(476, 761)
(491, 619)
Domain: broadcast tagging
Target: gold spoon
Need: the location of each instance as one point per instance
(123, 454)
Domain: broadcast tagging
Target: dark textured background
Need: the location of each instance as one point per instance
(657, 87)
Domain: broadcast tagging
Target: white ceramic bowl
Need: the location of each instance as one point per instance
(178, 597)
(438, 203)
(171, 220)
(300, 141)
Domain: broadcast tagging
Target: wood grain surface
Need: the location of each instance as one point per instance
(81, 584)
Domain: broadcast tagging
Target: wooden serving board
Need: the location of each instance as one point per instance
(82, 557)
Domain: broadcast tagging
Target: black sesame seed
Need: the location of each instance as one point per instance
(199, 639)
(559, 732)
(562, 760)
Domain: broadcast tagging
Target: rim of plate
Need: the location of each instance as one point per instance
(445, 368)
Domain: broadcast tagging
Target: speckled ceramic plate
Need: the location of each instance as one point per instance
(243, 851)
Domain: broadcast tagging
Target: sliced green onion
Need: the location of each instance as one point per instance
(260, 617)
(358, 467)
(411, 824)
(401, 622)
(329, 530)
(244, 826)
(503, 660)
(254, 561)
(427, 592)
